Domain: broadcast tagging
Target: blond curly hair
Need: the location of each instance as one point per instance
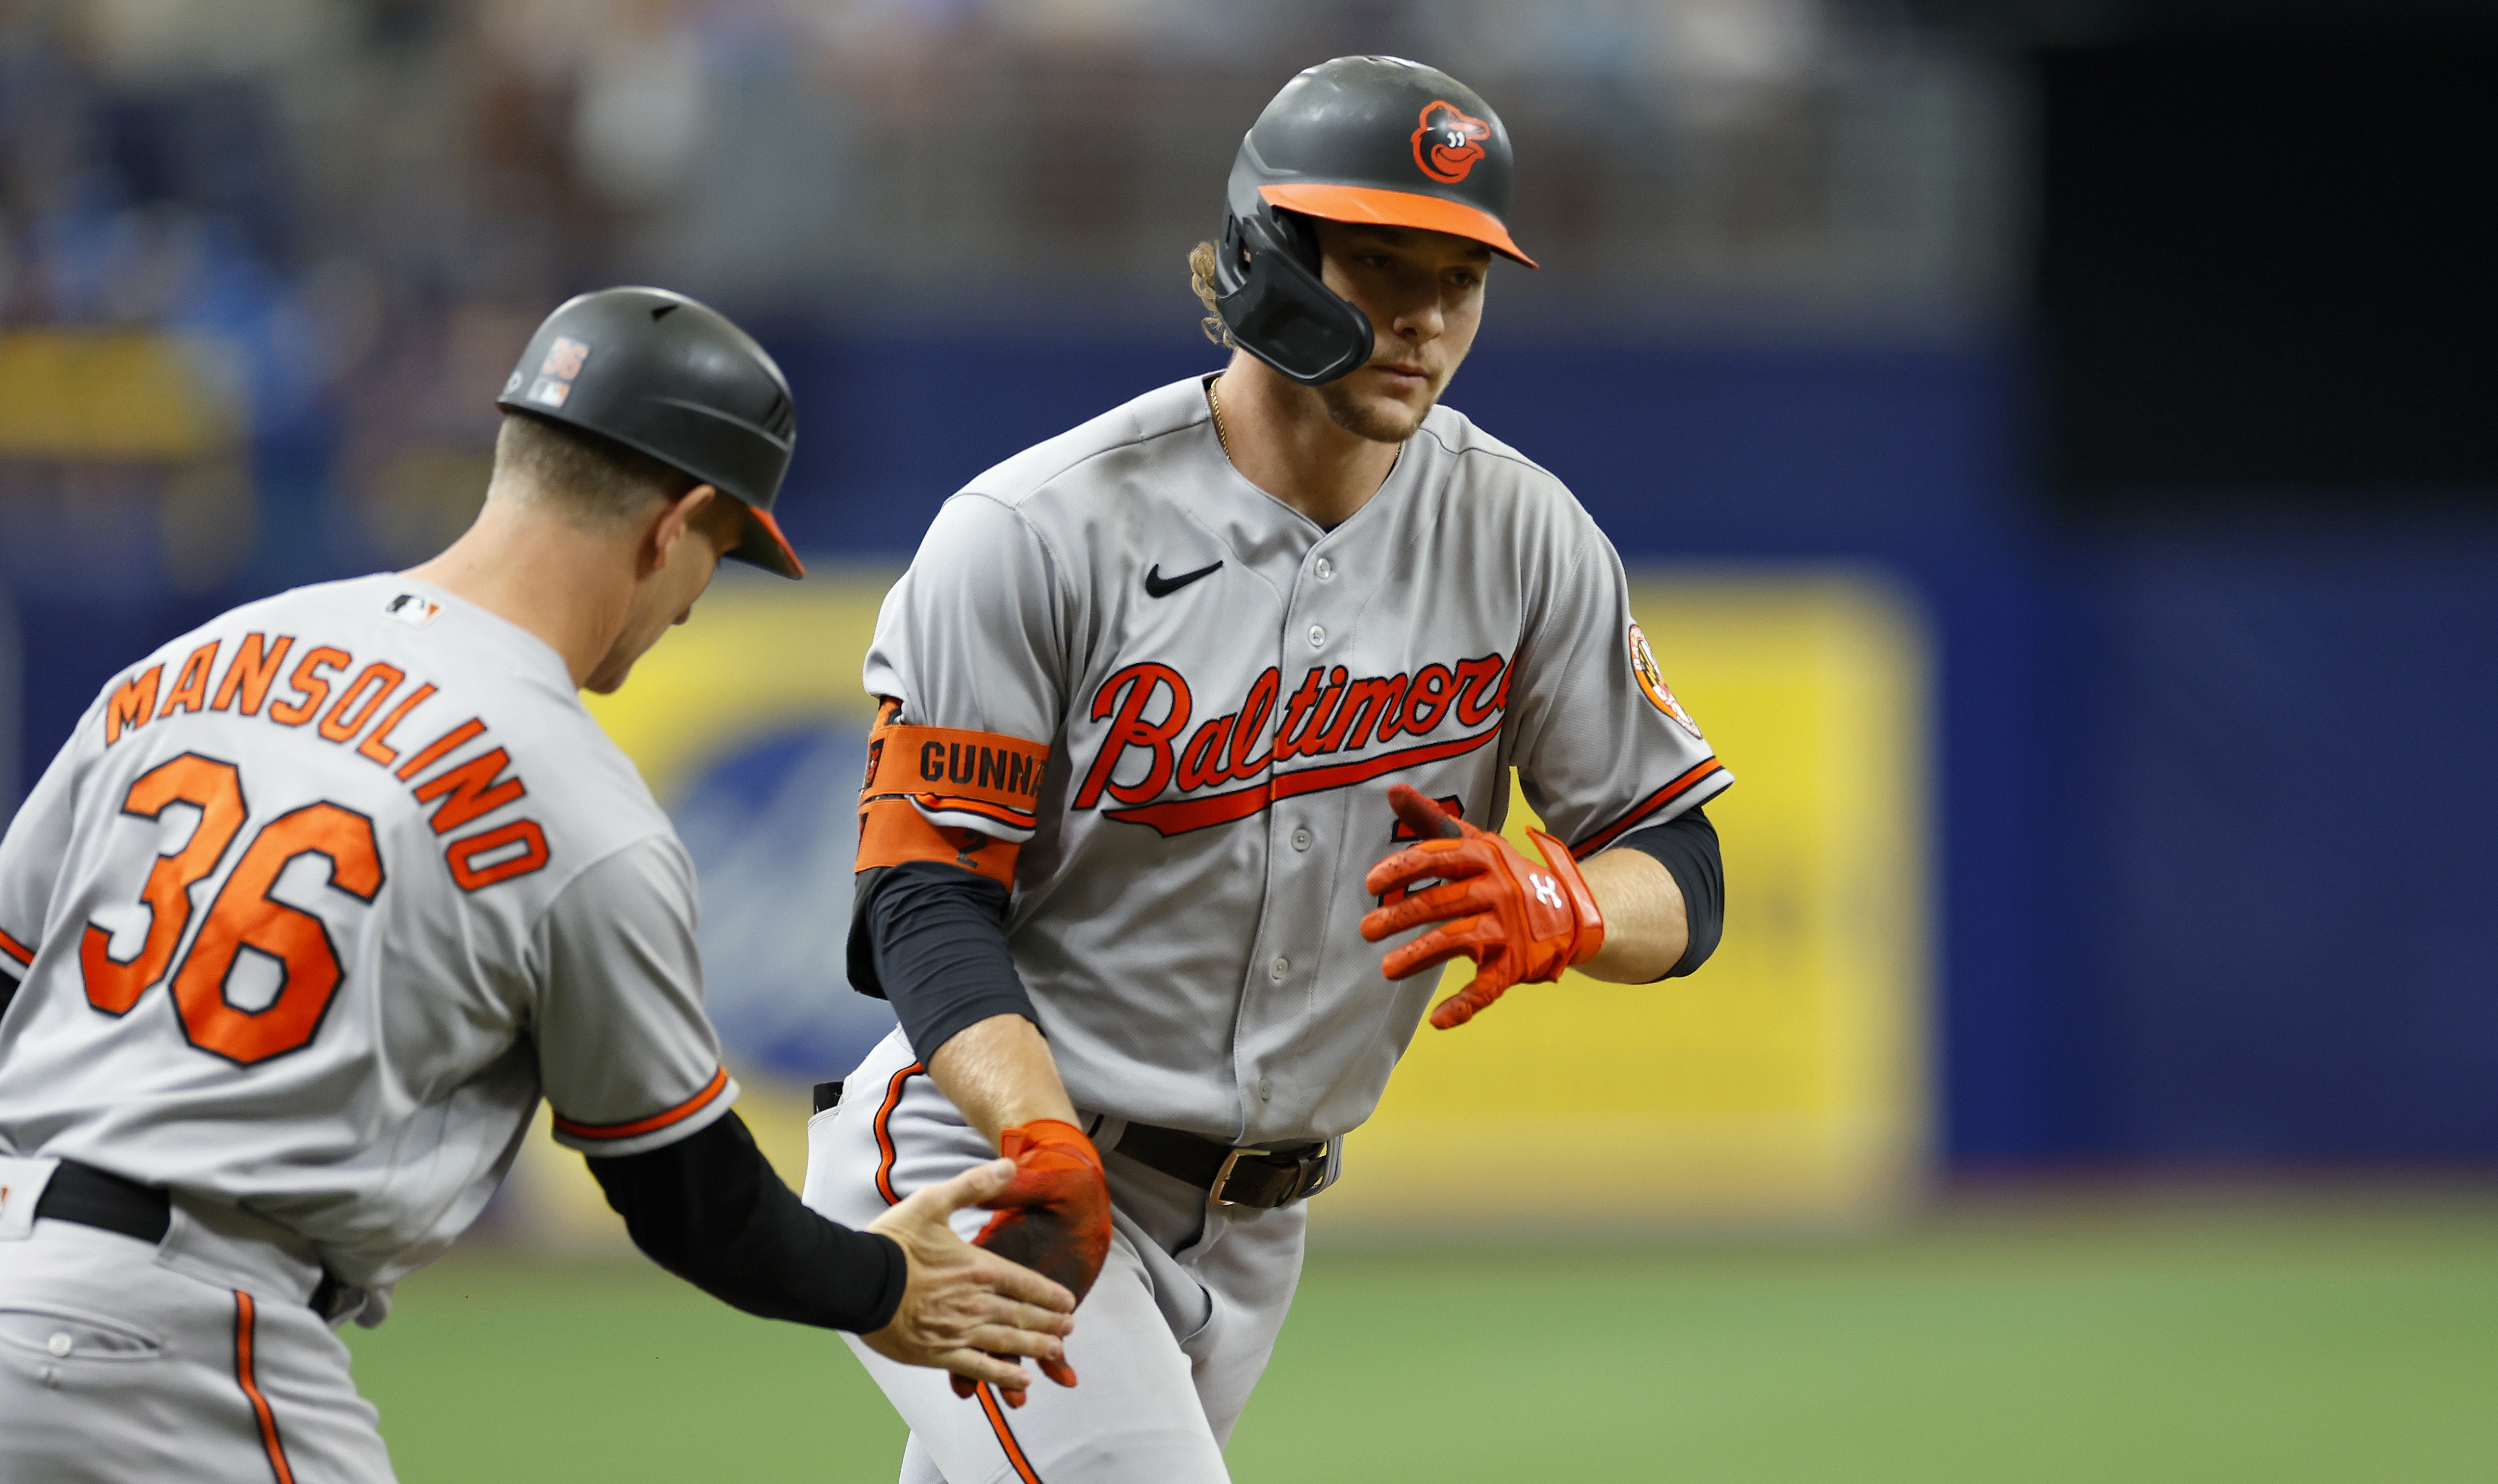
(1200, 277)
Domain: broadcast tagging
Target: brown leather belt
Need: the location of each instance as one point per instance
(1263, 1179)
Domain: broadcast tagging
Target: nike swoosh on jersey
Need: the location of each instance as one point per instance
(1157, 585)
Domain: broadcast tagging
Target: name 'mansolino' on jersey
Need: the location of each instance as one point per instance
(459, 792)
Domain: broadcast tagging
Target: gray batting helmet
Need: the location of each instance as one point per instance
(674, 379)
(1373, 139)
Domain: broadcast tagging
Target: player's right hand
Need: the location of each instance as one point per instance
(1054, 1218)
(965, 1310)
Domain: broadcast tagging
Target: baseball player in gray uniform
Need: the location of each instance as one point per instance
(323, 895)
(1156, 697)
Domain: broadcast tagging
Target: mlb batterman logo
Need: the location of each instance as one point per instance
(414, 609)
(1449, 141)
(1651, 678)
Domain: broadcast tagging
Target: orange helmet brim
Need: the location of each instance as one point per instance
(765, 546)
(1372, 206)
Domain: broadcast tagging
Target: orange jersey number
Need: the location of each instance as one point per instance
(215, 789)
(243, 916)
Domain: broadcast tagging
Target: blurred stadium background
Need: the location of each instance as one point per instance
(2059, 442)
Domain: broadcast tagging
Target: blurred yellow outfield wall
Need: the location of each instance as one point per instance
(116, 394)
(1784, 1082)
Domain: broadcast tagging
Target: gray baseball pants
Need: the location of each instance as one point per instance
(1166, 1346)
(195, 1358)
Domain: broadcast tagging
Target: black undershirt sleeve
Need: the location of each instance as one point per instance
(1686, 846)
(932, 939)
(7, 991)
(710, 1210)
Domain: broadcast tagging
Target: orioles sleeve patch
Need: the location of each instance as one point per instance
(941, 793)
(1651, 680)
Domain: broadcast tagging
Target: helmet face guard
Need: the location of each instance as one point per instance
(1370, 140)
(1270, 296)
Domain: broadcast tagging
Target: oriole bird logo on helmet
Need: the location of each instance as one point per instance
(1449, 141)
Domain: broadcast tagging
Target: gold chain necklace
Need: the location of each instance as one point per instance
(1214, 404)
(1214, 401)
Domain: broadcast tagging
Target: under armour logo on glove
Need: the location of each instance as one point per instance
(1517, 924)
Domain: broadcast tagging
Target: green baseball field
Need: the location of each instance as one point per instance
(2331, 1336)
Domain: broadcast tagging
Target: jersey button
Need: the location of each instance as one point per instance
(1265, 1089)
(1318, 636)
(1324, 569)
(1277, 969)
(1302, 839)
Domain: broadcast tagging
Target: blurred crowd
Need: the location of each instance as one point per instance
(341, 217)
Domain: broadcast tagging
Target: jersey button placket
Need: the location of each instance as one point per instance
(1267, 1017)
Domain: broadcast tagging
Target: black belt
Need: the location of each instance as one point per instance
(1260, 1178)
(92, 1197)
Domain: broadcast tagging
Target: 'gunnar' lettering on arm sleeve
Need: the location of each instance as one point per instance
(941, 793)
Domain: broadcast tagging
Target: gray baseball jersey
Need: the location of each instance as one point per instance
(316, 903)
(1225, 691)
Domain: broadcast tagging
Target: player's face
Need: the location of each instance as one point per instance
(681, 549)
(1423, 293)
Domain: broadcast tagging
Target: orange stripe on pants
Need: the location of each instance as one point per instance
(1006, 1435)
(269, 1438)
(885, 1135)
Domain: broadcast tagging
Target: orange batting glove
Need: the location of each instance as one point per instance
(1053, 1217)
(1519, 922)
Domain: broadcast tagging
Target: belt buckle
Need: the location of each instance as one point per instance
(1223, 1176)
(1309, 1176)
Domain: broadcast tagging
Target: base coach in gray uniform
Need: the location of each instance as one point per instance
(322, 898)
(1185, 711)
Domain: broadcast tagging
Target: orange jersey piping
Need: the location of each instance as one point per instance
(680, 1112)
(1655, 801)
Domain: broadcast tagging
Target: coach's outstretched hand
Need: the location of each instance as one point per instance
(1521, 921)
(964, 1309)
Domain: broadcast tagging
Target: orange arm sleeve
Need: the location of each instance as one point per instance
(942, 794)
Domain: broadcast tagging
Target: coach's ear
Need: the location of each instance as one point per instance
(693, 513)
